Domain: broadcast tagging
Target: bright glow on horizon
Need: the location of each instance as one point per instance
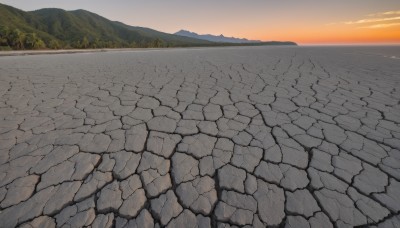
(301, 21)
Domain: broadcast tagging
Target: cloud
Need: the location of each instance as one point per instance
(392, 13)
(372, 20)
(377, 26)
(375, 21)
(385, 13)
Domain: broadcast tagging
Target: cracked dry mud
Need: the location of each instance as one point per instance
(220, 137)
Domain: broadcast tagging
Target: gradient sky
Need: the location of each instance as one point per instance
(303, 21)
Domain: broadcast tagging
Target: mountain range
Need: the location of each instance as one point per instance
(57, 28)
(220, 39)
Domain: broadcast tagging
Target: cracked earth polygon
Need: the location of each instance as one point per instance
(214, 137)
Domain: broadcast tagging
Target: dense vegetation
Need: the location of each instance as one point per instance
(60, 29)
(56, 28)
(15, 39)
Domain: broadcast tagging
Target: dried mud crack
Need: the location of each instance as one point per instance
(221, 137)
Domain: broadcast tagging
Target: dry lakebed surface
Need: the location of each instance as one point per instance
(201, 137)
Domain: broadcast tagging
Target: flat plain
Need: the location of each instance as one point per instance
(210, 137)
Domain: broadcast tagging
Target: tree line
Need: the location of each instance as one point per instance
(15, 39)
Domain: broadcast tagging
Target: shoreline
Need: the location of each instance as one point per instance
(77, 51)
(66, 51)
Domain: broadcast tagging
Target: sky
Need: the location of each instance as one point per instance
(302, 21)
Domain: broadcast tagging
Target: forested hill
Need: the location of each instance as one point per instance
(57, 28)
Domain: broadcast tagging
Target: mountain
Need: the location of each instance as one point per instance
(57, 28)
(221, 38)
(72, 28)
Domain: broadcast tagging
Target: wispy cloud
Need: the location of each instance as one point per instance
(372, 20)
(392, 13)
(377, 26)
(375, 21)
(385, 13)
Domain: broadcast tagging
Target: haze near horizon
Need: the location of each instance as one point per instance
(305, 22)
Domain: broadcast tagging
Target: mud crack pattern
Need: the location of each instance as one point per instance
(222, 137)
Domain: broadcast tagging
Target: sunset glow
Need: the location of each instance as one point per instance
(380, 28)
(305, 22)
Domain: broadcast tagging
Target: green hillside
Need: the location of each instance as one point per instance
(57, 28)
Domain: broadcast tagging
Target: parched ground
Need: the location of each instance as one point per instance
(217, 137)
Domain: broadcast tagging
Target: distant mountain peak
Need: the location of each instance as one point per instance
(213, 38)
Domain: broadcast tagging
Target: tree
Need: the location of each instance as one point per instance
(29, 41)
(76, 44)
(133, 44)
(32, 41)
(40, 44)
(110, 44)
(157, 43)
(96, 43)
(54, 44)
(143, 44)
(4, 35)
(85, 42)
(16, 39)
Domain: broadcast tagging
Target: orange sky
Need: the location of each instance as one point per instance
(334, 33)
(302, 21)
(382, 27)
